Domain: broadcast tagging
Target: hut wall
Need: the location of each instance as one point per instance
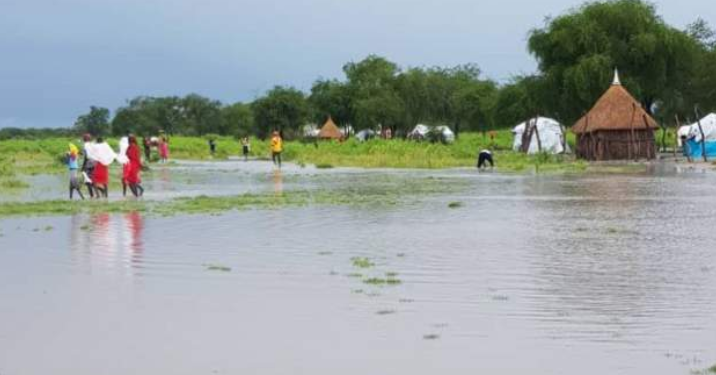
(617, 145)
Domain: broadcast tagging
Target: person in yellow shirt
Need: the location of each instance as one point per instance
(276, 148)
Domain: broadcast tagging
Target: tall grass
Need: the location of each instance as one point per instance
(44, 156)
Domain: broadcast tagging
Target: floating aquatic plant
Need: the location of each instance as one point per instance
(359, 262)
(217, 267)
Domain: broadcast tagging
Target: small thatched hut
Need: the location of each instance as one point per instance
(616, 128)
(330, 130)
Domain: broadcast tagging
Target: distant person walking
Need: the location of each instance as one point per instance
(483, 158)
(163, 149)
(135, 167)
(147, 143)
(276, 148)
(212, 146)
(73, 165)
(245, 147)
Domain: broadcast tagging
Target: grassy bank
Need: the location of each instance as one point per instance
(44, 156)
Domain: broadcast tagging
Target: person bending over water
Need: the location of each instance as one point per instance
(73, 164)
(483, 158)
(276, 148)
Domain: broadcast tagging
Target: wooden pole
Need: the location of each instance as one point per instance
(539, 141)
(676, 134)
(703, 136)
(664, 130)
(651, 151)
(631, 127)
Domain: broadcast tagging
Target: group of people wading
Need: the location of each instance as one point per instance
(97, 156)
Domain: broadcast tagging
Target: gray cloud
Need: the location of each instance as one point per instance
(60, 57)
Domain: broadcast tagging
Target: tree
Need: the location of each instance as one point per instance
(703, 88)
(283, 108)
(200, 115)
(331, 98)
(238, 120)
(374, 98)
(578, 51)
(96, 122)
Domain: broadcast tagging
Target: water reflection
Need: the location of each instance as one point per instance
(277, 179)
(108, 241)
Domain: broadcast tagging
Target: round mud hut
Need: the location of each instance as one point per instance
(616, 128)
(330, 130)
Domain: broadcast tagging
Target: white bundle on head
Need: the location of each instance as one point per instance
(101, 152)
(123, 146)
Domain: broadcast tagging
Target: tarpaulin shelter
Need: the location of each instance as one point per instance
(539, 134)
(693, 146)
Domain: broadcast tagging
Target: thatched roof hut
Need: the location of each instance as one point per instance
(616, 128)
(330, 130)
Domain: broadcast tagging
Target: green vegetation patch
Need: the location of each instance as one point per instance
(359, 262)
(217, 268)
(379, 281)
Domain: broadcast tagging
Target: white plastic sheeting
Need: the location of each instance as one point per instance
(421, 132)
(550, 136)
(708, 124)
(100, 152)
(122, 155)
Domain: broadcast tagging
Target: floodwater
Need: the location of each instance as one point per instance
(532, 274)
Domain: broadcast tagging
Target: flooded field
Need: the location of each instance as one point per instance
(494, 274)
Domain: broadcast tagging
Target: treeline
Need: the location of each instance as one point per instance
(375, 93)
(671, 71)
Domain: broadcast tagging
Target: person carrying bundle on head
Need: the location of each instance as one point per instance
(73, 165)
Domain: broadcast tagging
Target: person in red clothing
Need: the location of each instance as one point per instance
(134, 167)
(103, 155)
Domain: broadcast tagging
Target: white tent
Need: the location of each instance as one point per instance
(310, 130)
(684, 131)
(550, 132)
(448, 135)
(708, 124)
(365, 135)
(421, 132)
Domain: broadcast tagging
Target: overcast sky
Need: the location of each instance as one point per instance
(58, 57)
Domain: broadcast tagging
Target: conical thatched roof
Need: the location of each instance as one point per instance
(330, 130)
(615, 110)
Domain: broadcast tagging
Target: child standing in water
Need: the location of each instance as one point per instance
(245, 147)
(276, 148)
(73, 165)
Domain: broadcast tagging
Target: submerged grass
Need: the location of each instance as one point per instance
(362, 262)
(384, 194)
(217, 268)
